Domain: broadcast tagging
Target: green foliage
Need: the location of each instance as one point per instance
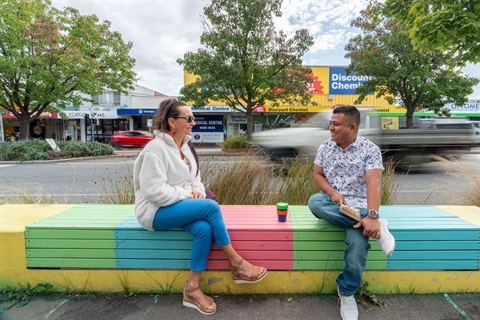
(21, 297)
(84, 149)
(25, 150)
(236, 141)
(389, 186)
(402, 74)
(244, 61)
(364, 296)
(119, 189)
(28, 150)
(49, 57)
(256, 181)
(452, 26)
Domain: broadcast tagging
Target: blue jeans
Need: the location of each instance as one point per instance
(356, 253)
(200, 217)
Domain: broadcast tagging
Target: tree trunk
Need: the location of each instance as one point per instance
(409, 116)
(24, 133)
(249, 124)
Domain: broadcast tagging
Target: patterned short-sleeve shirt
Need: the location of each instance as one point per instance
(345, 168)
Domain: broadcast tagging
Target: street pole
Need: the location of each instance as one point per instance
(2, 136)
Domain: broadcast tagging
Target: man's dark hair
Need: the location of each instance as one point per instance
(350, 111)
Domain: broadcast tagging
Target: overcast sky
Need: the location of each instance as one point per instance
(163, 30)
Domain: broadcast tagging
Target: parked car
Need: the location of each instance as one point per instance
(130, 139)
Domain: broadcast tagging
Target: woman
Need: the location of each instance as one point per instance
(169, 194)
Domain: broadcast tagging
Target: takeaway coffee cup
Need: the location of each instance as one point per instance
(282, 211)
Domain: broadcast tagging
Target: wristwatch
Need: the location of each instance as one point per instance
(373, 214)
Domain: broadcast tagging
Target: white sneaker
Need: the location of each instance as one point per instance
(348, 307)
(386, 241)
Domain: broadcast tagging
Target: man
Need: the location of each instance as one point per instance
(348, 170)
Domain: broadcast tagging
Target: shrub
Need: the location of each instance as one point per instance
(236, 142)
(25, 150)
(84, 149)
(35, 149)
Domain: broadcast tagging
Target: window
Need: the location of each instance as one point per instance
(107, 98)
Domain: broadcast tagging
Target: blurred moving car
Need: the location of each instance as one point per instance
(130, 139)
(434, 137)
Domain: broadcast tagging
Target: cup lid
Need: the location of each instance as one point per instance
(282, 205)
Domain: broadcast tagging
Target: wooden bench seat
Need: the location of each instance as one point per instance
(109, 237)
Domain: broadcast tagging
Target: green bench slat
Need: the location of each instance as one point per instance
(335, 265)
(70, 243)
(32, 234)
(333, 255)
(70, 263)
(338, 235)
(71, 253)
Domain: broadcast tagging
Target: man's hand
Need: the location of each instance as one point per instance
(371, 227)
(337, 198)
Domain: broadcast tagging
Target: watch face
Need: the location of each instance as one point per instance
(373, 214)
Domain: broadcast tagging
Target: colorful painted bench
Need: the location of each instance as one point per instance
(101, 248)
(109, 237)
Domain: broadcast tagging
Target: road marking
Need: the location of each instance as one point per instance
(5, 165)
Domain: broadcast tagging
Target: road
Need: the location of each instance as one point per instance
(85, 180)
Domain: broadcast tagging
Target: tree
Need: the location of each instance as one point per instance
(452, 26)
(245, 63)
(49, 58)
(401, 73)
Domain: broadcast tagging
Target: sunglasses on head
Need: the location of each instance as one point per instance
(188, 118)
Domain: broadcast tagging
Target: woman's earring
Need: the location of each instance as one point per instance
(174, 133)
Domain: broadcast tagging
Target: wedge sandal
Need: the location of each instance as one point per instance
(190, 302)
(239, 278)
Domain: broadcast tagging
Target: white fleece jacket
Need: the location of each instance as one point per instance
(162, 178)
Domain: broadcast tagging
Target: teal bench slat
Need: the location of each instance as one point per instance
(438, 235)
(133, 235)
(152, 264)
(433, 265)
(434, 255)
(152, 254)
(153, 244)
(438, 245)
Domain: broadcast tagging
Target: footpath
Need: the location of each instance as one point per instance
(450, 306)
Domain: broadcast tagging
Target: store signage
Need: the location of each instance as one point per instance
(467, 107)
(44, 115)
(236, 118)
(132, 111)
(212, 109)
(341, 83)
(208, 129)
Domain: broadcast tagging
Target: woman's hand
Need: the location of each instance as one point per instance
(196, 195)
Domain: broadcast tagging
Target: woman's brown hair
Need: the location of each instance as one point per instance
(167, 109)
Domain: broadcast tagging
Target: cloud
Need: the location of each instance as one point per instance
(164, 30)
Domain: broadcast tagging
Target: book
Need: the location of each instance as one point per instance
(350, 211)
